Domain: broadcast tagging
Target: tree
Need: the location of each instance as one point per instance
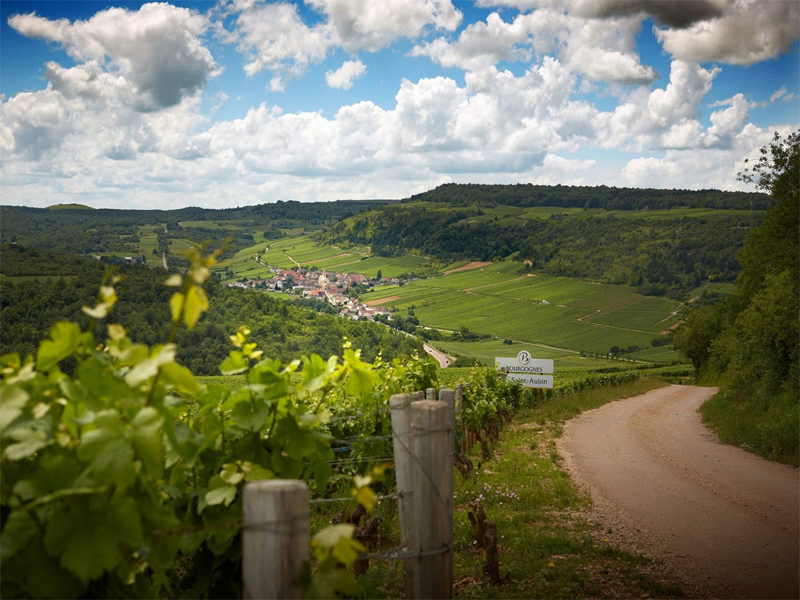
(379, 275)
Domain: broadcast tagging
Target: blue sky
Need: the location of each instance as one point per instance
(237, 102)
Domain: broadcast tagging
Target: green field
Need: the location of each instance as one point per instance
(557, 311)
(303, 251)
(486, 351)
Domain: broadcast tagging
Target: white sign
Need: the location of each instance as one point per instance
(531, 380)
(523, 363)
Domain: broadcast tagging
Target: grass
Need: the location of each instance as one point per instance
(486, 351)
(557, 311)
(769, 427)
(547, 548)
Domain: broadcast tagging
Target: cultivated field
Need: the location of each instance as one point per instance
(303, 251)
(558, 311)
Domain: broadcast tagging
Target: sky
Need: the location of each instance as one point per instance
(236, 102)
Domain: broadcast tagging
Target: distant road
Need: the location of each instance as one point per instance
(164, 260)
(444, 359)
(724, 521)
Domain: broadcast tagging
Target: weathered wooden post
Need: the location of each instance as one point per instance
(432, 481)
(459, 402)
(430, 394)
(401, 442)
(275, 541)
(449, 398)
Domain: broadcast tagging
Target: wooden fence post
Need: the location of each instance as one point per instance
(401, 442)
(432, 479)
(449, 398)
(275, 541)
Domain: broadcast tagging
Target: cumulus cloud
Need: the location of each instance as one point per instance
(274, 37)
(481, 44)
(343, 77)
(747, 33)
(701, 168)
(600, 50)
(157, 49)
(374, 24)
(673, 13)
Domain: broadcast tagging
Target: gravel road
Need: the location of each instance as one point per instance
(724, 522)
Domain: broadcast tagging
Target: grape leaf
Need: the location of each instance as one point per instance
(29, 441)
(12, 400)
(64, 340)
(250, 418)
(147, 435)
(88, 542)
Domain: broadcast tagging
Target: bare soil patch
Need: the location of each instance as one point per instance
(468, 267)
(380, 301)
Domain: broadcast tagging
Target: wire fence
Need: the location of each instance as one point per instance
(380, 562)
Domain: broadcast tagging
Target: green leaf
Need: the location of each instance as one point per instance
(17, 532)
(109, 452)
(147, 369)
(181, 379)
(64, 340)
(231, 474)
(98, 312)
(148, 439)
(58, 582)
(235, 363)
(176, 305)
(330, 536)
(12, 401)
(338, 541)
(102, 385)
(214, 395)
(248, 417)
(331, 584)
(365, 497)
(220, 492)
(196, 305)
(29, 441)
(90, 542)
(255, 472)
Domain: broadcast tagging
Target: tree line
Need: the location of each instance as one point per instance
(658, 256)
(30, 307)
(750, 342)
(601, 196)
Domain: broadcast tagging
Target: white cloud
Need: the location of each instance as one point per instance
(747, 33)
(481, 44)
(343, 77)
(274, 37)
(636, 123)
(702, 168)
(600, 50)
(374, 24)
(157, 49)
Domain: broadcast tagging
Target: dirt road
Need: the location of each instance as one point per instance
(724, 521)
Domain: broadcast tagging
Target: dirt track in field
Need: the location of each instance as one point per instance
(723, 521)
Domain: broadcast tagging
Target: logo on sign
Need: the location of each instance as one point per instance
(524, 357)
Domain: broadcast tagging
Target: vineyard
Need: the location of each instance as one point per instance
(123, 474)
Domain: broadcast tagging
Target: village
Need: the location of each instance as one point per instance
(324, 286)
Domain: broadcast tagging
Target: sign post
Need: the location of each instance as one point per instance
(530, 372)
